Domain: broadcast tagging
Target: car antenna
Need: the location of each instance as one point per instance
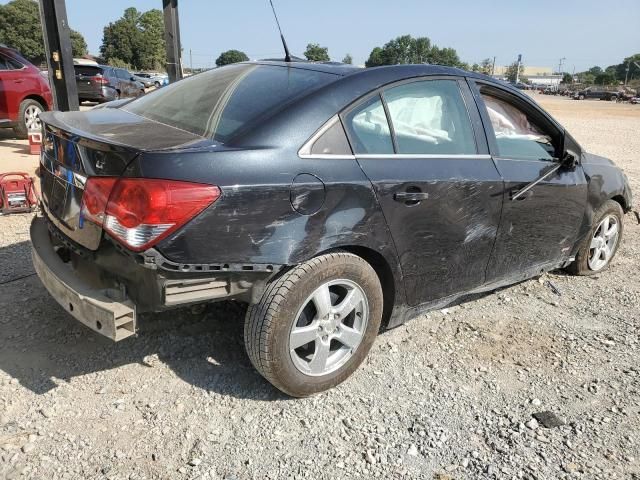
(287, 55)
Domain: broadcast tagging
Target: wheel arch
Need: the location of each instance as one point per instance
(38, 99)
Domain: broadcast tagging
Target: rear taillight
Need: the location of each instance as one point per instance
(139, 212)
(100, 80)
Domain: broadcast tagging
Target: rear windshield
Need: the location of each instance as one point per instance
(87, 71)
(220, 103)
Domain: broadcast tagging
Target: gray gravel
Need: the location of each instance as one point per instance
(450, 395)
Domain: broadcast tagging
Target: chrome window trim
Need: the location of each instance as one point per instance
(429, 156)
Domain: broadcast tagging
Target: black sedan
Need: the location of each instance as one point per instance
(335, 201)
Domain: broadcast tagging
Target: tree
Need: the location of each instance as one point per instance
(567, 78)
(231, 56)
(512, 72)
(376, 58)
(486, 66)
(316, 53)
(606, 78)
(78, 44)
(21, 29)
(348, 59)
(406, 49)
(137, 39)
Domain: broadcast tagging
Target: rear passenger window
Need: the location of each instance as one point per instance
(517, 134)
(369, 129)
(430, 117)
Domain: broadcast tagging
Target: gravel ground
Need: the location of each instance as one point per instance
(450, 395)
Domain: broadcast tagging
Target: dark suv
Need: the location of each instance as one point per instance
(596, 93)
(100, 83)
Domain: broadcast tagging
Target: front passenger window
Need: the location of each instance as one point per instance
(517, 135)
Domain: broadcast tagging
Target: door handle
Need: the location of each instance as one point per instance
(410, 198)
(18, 81)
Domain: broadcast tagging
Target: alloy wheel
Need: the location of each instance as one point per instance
(31, 120)
(329, 327)
(603, 243)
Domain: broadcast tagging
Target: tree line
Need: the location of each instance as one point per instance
(136, 41)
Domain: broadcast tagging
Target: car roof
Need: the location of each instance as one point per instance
(395, 72)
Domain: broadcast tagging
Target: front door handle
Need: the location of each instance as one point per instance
(18, 81)
(410, 198)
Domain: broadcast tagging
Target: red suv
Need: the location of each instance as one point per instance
(24, 93)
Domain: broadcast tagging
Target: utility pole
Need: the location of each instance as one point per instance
(172, 39)
(57, 43)
(626, 75)
(191, 61)
(560, 65)
(493, 67)
(518, 68)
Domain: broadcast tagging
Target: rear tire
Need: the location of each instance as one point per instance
(599, 247)
(28, 118)
(292, 310)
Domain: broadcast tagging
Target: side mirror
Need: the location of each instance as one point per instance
(569, 160)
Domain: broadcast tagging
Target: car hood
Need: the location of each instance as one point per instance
(591, 159)
(122, 128)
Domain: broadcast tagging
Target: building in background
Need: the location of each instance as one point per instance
(537, 76)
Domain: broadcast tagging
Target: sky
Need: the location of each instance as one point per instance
(584, 32)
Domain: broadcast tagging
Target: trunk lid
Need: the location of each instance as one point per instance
(80, 145)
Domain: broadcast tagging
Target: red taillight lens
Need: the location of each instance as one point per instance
(140, 212)
(100, 80)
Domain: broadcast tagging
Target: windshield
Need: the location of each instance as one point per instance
(220, 103)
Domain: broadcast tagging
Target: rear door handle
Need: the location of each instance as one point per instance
(410, 196)
(18, 81)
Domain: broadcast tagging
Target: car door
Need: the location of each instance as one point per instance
(438, 188)
(14, 86)
(539, 226)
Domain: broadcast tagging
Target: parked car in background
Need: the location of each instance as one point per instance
(521, 86)
(331, 199)
(24, 93)
(156, 79)
(101, 83)
(596, 93)
(147, 82)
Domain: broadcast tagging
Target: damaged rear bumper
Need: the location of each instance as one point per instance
(115, 319)
(107, 288)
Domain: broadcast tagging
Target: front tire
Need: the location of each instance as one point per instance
(315, 324)
(600, 246)
(28, 119)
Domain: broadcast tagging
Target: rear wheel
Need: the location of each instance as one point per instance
(315, 324)
(580, 97)
(600, 246)
(28, 119)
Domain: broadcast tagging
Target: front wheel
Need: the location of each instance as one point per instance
(28, 118)
(315, 324)
(600, 246)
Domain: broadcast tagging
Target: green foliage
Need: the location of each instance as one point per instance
(567, 78)
(116, 62)
(21, 29)
(512, 72)
(606, 78)
(407, 50)
(316, 53)
(486, 66)
(78, 44)
(595, 71)
(231, 56)
(348, 59)
(137, 39)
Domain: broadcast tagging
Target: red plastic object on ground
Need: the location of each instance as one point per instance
(17, 194)
(35, 143)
